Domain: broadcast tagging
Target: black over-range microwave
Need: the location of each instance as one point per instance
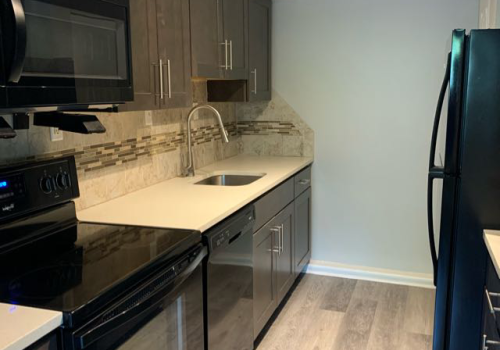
(66, 53)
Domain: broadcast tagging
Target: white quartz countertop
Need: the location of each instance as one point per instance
(179, 203)
(492, 240)
(22, 326)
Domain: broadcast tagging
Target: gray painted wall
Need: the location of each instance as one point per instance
(365, 76)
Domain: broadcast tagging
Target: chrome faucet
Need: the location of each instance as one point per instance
(189, 171)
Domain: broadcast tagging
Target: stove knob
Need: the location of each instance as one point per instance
(62, 181)
(46, 184)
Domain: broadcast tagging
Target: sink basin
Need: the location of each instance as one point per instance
(229, 180)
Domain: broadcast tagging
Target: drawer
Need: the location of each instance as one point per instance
(270, 204)
(302, 181)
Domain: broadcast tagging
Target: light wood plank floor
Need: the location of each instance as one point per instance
(329, 313)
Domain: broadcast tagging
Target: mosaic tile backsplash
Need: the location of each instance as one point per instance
(132, 155)
(263, 127)
(99, 156)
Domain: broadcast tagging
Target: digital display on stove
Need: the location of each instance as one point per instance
(4, 184)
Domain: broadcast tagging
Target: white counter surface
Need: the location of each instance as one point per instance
(179, 203)
(22, 326)
(492, 240)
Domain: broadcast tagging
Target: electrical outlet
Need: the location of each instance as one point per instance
(149, 118)
(56, 134)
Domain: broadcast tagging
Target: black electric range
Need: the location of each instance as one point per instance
(112, 283)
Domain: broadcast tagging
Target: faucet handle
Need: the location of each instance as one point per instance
(225, 136)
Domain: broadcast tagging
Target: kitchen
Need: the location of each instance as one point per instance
(220, 174)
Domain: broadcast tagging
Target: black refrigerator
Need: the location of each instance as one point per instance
(471, 186)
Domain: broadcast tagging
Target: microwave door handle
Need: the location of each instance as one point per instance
(85, 338)
(434, 171)
(20, 41)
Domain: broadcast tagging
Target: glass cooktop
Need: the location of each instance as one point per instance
(78, 267)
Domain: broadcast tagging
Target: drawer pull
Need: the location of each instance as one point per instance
(277, 229)
(487, 342)
(305, 182)
(493, 310)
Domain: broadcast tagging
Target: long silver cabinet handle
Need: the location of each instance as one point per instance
(282, 230)
(225, 65)
(277, 229)
(305, 182)
(169, 79)
(162, 92)
(230, 54)
(254, 72)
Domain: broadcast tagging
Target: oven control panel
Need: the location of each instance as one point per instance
(35, 186)
(11, 186)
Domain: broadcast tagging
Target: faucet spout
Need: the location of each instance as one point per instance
(189, 171)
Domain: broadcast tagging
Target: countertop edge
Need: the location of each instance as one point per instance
(488, 235)
(33, 333)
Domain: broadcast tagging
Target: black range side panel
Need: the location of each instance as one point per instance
(478, 202)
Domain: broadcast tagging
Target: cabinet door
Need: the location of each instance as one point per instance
(285, 271)
(206, 38)
(144, 56)
(302, 232)
(259, 50)
(264, 287)
(174, 52)
(235, 14)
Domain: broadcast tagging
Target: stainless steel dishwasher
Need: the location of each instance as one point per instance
(229, 283)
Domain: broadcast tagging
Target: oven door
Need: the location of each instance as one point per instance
(165, 313)
(66, 52)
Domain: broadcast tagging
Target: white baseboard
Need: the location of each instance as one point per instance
(326, 268)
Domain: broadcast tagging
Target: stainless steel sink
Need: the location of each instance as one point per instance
(229, 180)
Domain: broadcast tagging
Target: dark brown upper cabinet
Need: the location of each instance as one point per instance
(160, 54)
(144, 56)
(206, 38)
(259, 50)
(219, 39)
(174, 52)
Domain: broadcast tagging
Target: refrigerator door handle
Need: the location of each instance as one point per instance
(437, 117)
(434, 171)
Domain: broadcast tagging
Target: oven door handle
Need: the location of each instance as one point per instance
(86, 337)
(20, 41)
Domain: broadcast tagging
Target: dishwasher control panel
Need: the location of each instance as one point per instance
(230, 230)
(220, 239)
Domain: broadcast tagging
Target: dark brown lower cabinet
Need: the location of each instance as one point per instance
(265, 298)
(274, 271)
(281, 244)
(285, 271)
(302, 231)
